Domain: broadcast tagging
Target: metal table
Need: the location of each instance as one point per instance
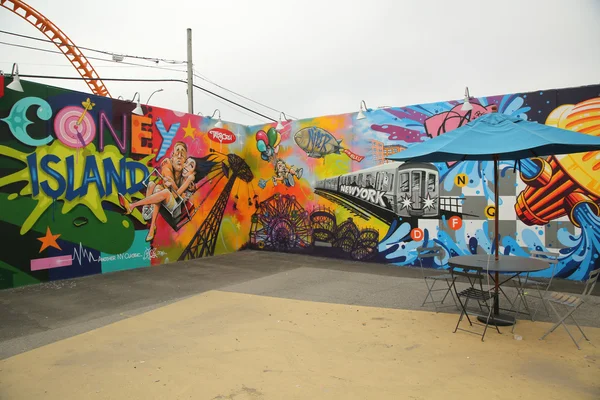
(512, 265)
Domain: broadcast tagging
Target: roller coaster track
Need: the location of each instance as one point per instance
(62, 41)
(338, 199)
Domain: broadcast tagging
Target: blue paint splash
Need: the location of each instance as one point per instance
(583, 257)
(578, 257)
(480, 173)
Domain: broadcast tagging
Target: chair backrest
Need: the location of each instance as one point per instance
(428, 252)
(591, 281)
(550, 258)
(469, 272)
(475, 275)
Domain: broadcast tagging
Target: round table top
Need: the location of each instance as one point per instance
(504, 263)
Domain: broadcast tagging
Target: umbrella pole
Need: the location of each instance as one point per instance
(496, 229)
(499, 319)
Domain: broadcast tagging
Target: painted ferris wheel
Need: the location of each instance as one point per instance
(280, 223)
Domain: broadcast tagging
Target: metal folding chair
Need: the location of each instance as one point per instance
(571, 303)
(431, 280)
(475, 291)
(539, 289)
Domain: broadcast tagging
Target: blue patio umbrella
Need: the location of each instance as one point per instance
(498, 137)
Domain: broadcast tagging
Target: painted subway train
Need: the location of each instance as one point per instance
(406, 189)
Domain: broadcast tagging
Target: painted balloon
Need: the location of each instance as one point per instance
(272, 135)
(261, 146)
(264, 156)
(276, 149)
(261, 135)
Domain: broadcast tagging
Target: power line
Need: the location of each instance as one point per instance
(150, 80)
(227, 105)
(139, 65)
(154, 59)
(100, 66)
(91, 58)
(206, 79)
(196, 74)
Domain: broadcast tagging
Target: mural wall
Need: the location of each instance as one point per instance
(327, 189)
(88, 186)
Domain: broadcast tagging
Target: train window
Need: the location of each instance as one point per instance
(404, 182)
(388, 182)
(416, 180)
(379, 180)
(370, 181)
(431, 182)
(361, 181)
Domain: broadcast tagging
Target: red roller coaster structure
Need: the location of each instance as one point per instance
(62, 41)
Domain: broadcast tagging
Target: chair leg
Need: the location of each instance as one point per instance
(487, 321)
(526, 304)
(580, 330)
(561, 321)
(429, 294)
(462, 313)
(522, 296)
(449, 291)
(572, 338)
(545, 307)
(538, 307)
(435, 303)
(480, 308)
(451, 294)
(492, 315)
(445, 295)
(438, 304)
(506, 297)
(556, 325)
(466, 312)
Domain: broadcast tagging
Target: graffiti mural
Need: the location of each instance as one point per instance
(88, 186)
(387, 209)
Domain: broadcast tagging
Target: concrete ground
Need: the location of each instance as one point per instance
(257, 325)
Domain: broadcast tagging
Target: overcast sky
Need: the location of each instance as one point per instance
(319, 57)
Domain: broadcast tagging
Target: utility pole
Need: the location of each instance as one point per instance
(190, 73)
